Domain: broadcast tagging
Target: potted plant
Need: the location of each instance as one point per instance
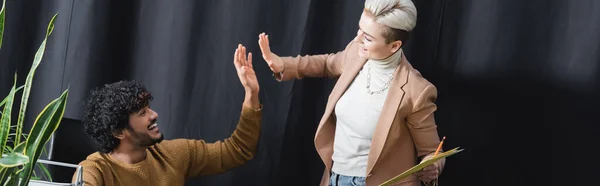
(20, 151)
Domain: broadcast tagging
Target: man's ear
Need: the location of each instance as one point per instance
(119, 134)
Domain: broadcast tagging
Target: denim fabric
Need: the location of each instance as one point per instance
(341, 180)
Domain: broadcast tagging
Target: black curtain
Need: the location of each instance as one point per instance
(518, 80)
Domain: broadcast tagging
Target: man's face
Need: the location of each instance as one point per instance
(144, 130)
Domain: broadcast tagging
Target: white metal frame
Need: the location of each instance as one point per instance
(77, 182)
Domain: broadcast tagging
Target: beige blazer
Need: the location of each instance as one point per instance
(406, 128)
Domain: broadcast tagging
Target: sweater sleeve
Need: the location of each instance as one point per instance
(214, 158)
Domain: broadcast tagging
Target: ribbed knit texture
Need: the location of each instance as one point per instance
(172, 162)
(357, 113)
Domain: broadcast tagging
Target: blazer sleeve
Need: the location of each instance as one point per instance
(318, 66)
(421, 122)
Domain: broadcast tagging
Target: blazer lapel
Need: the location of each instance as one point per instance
(388, 113)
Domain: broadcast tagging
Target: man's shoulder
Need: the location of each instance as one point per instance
(172, 145)
(94, 157)
(95, 166)
(95, 160)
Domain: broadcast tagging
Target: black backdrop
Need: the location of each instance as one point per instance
(518, 80)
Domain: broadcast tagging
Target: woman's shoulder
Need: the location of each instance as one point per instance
(416, 85)
(414, 77)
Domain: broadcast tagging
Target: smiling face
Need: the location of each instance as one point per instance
(373, 44)
(143, 129)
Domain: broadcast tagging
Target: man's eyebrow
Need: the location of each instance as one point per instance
(142, 111)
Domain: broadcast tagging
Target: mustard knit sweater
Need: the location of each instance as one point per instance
(172, 162)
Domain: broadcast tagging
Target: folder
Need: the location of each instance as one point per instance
(421, 165)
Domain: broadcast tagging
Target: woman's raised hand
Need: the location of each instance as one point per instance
(273, 60)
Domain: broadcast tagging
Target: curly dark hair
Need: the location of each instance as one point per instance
(107, 111)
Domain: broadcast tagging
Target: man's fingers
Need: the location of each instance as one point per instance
(236, 61)
(239, 55)
(250, 60)
(244, 56)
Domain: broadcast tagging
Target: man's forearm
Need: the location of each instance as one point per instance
(251, 100)
(218, 157)
(242, 145)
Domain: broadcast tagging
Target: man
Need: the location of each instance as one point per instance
(131, 147)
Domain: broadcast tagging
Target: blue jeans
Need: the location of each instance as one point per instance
(341, 180)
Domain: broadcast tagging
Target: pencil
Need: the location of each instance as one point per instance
(439, 147)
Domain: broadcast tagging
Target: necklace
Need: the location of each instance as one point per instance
(385, 86)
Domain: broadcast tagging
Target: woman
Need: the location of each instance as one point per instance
(379, 117)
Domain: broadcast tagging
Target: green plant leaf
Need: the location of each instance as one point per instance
(51, 25)
(14, 159)
(26, 91)
(20, 148)
(45, 172)
(8, 148)
(3, 175)
(10, 167)
(13, 176)
(5, 120)
(13, 171)
(6, 99)
(2, 17)
(46, 123)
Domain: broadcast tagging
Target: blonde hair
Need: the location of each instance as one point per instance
(399, 15)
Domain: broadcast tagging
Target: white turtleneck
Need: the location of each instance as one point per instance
(357, 113)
